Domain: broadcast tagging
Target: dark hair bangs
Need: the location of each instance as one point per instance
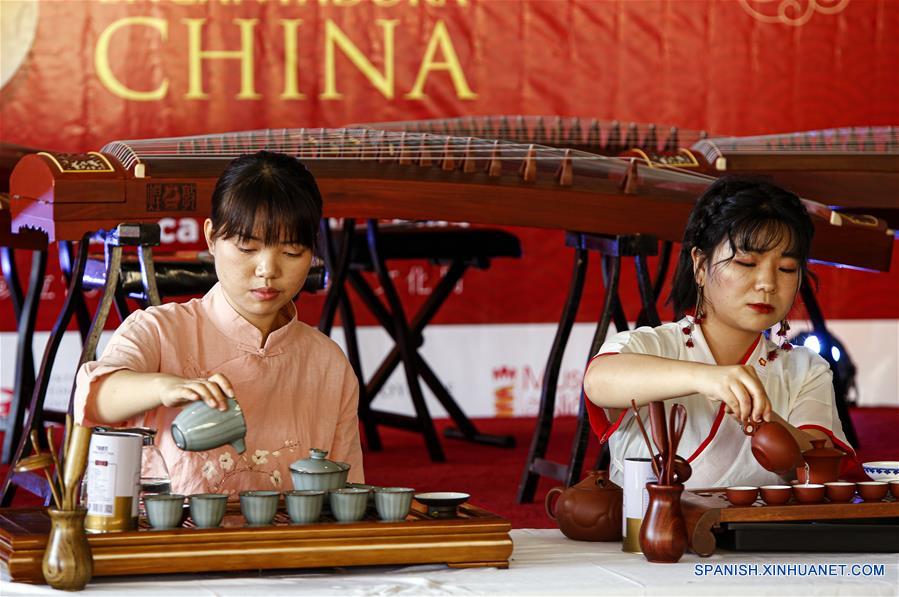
(760, 235)
(260, 213)
(267, 197)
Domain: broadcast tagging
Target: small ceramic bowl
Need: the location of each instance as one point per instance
(208, 509)
(393, 503)
(349, 504)
(840, 491)
(894, 489)
(304, 506)
(742, 495)
(809, 493)
(776, 495)
(442, 504)
(259, 507)
(882, 470)
(164, 510)
(872, 491)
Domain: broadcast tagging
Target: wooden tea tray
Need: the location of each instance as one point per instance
(707, 510)
(475, 538)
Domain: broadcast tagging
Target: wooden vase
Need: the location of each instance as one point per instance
(68, 564)
(663, 534)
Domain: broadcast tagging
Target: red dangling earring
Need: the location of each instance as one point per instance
(782, 332)
(698, 316)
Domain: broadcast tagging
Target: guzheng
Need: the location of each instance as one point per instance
(10, 154)
(365, 173)
(591, 135)
(658, 146)
(852, 169)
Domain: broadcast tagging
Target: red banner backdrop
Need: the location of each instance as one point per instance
(78, 74)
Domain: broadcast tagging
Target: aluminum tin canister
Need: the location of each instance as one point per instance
(113, 481)
(637, 473)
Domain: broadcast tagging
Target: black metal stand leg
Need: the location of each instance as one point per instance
(82, 315)
(421, 319)
(148, 275)
(338, 264)
(11, 274)
(610, 302)
(647, 292)
(42, 381)
(369, 426)
(121, 304)
(404, 341)
(466, 429)
(23, 385)
(840, 385)
(113, 267)
(615, 306)
(612, 250)
(659, 281)
(527, 487)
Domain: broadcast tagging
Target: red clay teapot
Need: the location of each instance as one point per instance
(774, 447)
(823, 463)
(589, 510)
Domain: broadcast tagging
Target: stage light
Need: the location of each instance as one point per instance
(811, 341)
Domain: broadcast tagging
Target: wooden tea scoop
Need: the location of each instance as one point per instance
(659, 435)
(75, 463)
(676, 425)
(62, 487)
(652, 460)
(68, 437)
(681, 470)
(40, 461)
(36, 444)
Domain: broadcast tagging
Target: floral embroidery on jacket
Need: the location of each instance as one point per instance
(231, 466)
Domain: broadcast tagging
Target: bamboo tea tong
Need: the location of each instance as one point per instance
(69, 470)
(666, 435)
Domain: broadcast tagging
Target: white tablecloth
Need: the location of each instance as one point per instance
(543, 562)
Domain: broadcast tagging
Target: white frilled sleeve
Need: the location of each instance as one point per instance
(644, 340)
(813, 406)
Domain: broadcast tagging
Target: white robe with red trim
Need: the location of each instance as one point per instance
(798, 384)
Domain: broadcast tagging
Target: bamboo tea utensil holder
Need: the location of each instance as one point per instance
(68, 563)
(663, 534)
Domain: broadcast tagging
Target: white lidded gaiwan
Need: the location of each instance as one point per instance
(317, 472)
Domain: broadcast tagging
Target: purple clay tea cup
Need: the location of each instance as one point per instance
(742, 495)
(872, 491)
(776, 495)
(840, 491)
(810, 493)
(894, 489)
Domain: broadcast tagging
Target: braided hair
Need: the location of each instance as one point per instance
(748, 214)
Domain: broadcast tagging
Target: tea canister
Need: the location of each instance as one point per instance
(112, 481)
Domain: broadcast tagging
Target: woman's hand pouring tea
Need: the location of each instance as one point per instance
(739, 388)
(214, 391)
